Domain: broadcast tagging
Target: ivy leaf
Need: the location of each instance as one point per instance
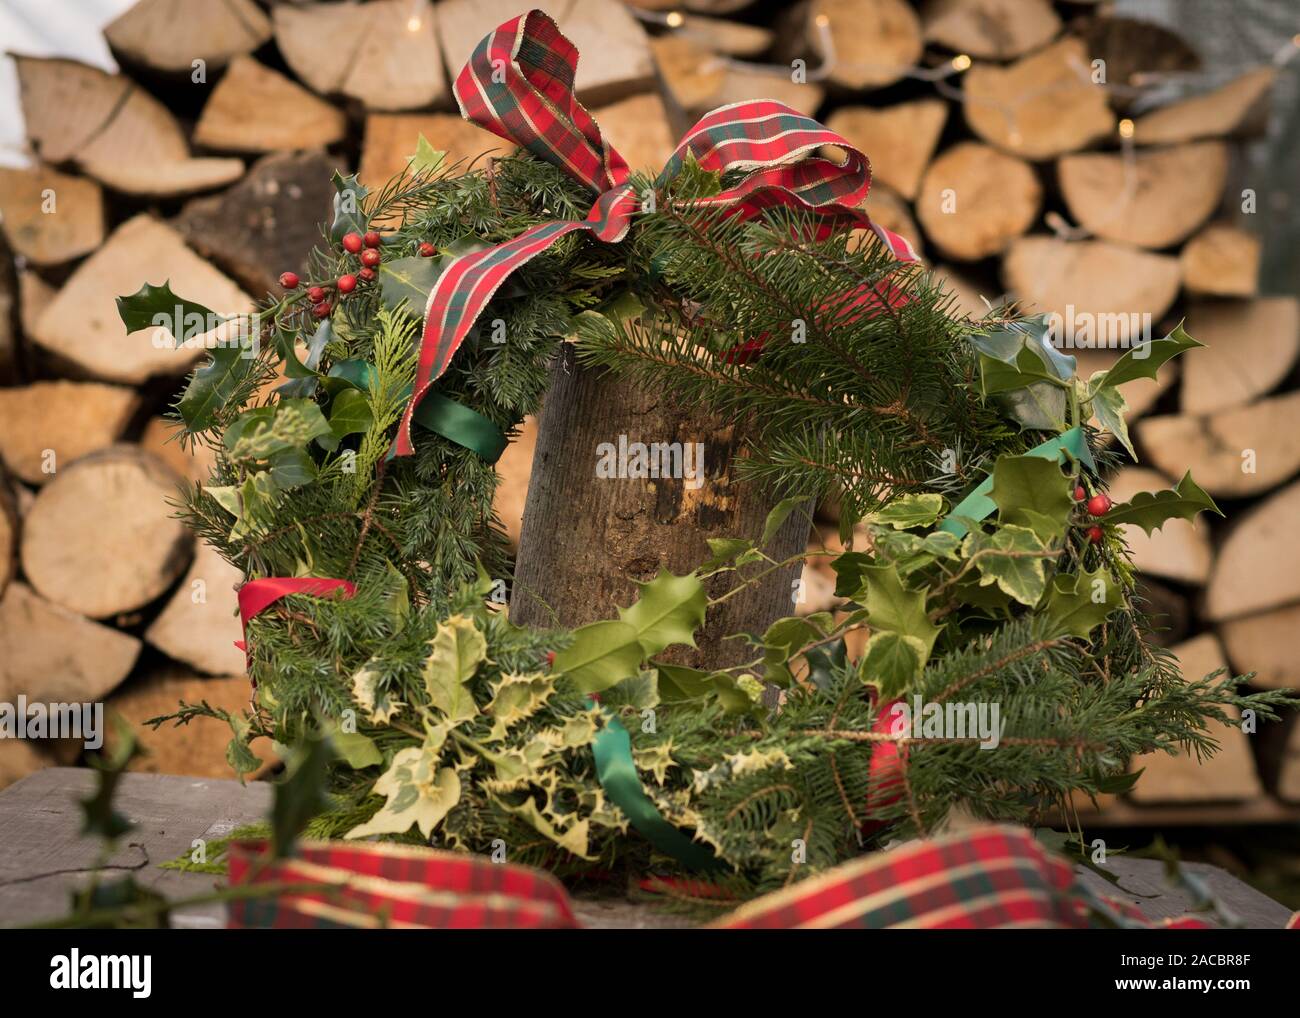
(777, 517)
(669, 610)
(848, 572)
(601, 654)
(350, 414)
(1030, 491)
(1078, 602)
(156, 306)
(1012, 558)
(825, 661)
(892, 662)
(910, 511)
(1151, 510)
(418, 791)
(1144, 360)
(356, 750)
(291, 468)
(893, 608)
(407, 282)
(427, 159)
(1110, 406)
(517, 697)
(724, 549)
(239, 755)
(456, 651)
(348, 214)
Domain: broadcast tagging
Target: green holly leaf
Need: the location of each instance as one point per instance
(1030, 491)
(1013, 558)
(723, 550)
(1151, 510)
(601, 654)
(455, 652)
(1143, 360)
(669, 610)
(1079, 602)
(677, 683)
(693, 181)
(1037, 407)
(211, 386)
(1026, 348)
(418, 791)
(348, 214)
(407, 282)
(892, 662)
(1110, 406)
(894, 608)
(427, 159)
(848, 569)
(910, 511)
(156, 306)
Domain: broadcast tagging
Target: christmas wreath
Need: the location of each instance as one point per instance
(356, 496)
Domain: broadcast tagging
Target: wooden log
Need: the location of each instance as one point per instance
(876, 42)
(197, 749)
(1281, 758)
(12, 312)
(113, 130)
(390, 140)
(990, 29)
(47, 425)
(1042, 106)
(1223, 261)
(34, 294)
(1166, 612)
(620, 530)
(1093, 277)
(169, 35)
(1220, 113)
(1250, 346)
(1258, 566)
(1236, 452)
(19, 758)
(385, 54)
(899, 140)
(9, 532)
(967, 293)
(194, 464)
(1131, 49)
(200, 624)
(888, 209)
(80, 327)
(100, 538)
(695, 80)
(1153, 199)
(267, 223)
(638, 128)
(1228, 775)
(50, 217)
(53, 655)
(256, 109)
(1180, 550)
(733, 38)
(615, 52)
(975, 200)
(1265, 644)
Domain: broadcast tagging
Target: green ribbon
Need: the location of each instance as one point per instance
(612, 749)
(437, 413)
(977, 505)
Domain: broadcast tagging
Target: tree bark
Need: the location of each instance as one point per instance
(586, 539)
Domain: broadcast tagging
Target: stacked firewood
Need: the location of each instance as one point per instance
(1011, 140)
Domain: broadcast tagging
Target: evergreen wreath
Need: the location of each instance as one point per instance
(993, 571)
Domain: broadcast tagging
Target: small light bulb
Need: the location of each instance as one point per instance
(413, 23)
(674, 19)
(821, 21)
(1126, 128)
(960, 62)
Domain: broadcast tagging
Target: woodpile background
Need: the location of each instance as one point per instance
(1009, 141)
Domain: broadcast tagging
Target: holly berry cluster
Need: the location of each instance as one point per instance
(1097, 506)
(366, 250)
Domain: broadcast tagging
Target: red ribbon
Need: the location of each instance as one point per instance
(255, 596)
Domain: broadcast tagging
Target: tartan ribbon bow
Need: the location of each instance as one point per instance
(519, 84)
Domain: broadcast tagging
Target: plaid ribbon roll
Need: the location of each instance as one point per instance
(519, 84)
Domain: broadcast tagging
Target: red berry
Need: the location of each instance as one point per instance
(1095, 534)
(346, 284)
(352, 242)
(427, 250)
(316, 294)
(1098, 505)
(370, 258)
(550, 658)
(289, 280)
(367, 274)
(373, 239)
(1079, 493)
(322, 309)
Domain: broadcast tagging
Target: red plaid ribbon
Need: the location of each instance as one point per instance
(983, 878)
(519, 84)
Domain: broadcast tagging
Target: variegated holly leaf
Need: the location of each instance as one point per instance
(892, 662)
(418, 791)
(1079, 602)
(656, 759)
(1012, 557)
(573, 840)
(516, 697)
(1152, 510)
(427, 159)
(378, 703)
(455, 652)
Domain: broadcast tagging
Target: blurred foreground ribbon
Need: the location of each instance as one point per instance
(519, 84)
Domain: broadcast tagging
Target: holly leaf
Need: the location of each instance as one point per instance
(601, 654)
(848, 569)
(379, 705)
(211, 387)
(1143, 360)
(723, 550)
(1030, 491)
(515, 698)
(893, 608)
(669, 610)
(348, 214)
(677, 683)
(892, 662)
(1037, 407)
(1151, 510)
(427, 159)
(1079, 602)
(455, 652)
(407, 282)
(910, 511)
(1025, 346)
(418, 791)
(825, 661)
(1012, 557)
(573, 840)
(157, 306)
(1109, 406)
